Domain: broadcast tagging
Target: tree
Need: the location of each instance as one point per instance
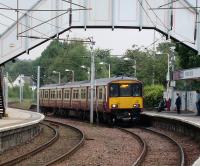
(188, 58)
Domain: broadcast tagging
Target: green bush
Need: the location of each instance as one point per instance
(27, 92)
(152, 95)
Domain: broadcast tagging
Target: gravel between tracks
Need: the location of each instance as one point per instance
(161, 151)
(68, 138)
(103, 146)
(190, 147)
(45, 135)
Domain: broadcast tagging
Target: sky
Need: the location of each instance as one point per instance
(118, 40)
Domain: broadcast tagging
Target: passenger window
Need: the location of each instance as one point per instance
(83, 93)
(75, 94)
(59, 94)
(66, 94)
(46, 94)
(100, 94)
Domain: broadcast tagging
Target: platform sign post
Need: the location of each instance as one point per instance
(6, 89)
(20, 88)
(38, 86)
(92, 84)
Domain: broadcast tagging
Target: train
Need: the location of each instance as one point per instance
(115, 99)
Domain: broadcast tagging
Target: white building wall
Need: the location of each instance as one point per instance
(188, 100)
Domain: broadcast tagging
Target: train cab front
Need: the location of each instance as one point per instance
(126, 101)
(127, 114)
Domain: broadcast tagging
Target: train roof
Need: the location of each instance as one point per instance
(97, 82)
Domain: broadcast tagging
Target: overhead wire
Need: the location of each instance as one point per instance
(146, 13)
(157, 16)
(22, 24)
(32, 17)
(44, 22)
(166, 4)
(154, 42)
(74, 4)
(164, 24)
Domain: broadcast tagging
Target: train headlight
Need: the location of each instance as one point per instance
(136, 105)
(114, 105)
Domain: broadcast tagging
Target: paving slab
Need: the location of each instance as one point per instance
(18, 118)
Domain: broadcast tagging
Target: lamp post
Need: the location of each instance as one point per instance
(168, 70)
(88, 70)
(67, 70)
(102, 63)
(135, 63)
(56, 72)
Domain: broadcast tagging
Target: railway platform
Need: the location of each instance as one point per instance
(186, 117)
(19, 127)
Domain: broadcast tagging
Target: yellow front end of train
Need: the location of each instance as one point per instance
(125, 99)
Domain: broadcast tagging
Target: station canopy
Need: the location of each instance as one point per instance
(27, 25)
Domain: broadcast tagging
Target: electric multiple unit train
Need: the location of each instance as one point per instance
(118, 98)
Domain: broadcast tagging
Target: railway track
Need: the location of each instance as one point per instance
(47, 153)
(143, 144)
(161, 149)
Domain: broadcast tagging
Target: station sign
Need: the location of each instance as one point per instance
(186, 74)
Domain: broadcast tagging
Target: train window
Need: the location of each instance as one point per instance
(59, 94)
(53, 94)
(137, 90)
(100, 95)
(46, 94)
(83, 93)
(75, 94)
(89, 93)
(66, 94)
(41, 96)
(125, 90)
(114, 90)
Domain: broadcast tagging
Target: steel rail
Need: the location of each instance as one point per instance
(72, 150)
(181, 152)
(142, 142)
(35, 151)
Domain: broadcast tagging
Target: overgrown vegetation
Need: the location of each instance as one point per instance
(152, 95)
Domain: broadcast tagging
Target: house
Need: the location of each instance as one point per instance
(24, 80)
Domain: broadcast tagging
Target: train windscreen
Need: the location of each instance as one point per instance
(125, 90)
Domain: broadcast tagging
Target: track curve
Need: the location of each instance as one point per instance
(143, 144)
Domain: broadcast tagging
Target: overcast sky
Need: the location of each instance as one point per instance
(118, 40)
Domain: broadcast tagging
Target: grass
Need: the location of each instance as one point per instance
(25, 104)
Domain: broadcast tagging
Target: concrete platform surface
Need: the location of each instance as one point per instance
(19, 118)
(185, 116)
